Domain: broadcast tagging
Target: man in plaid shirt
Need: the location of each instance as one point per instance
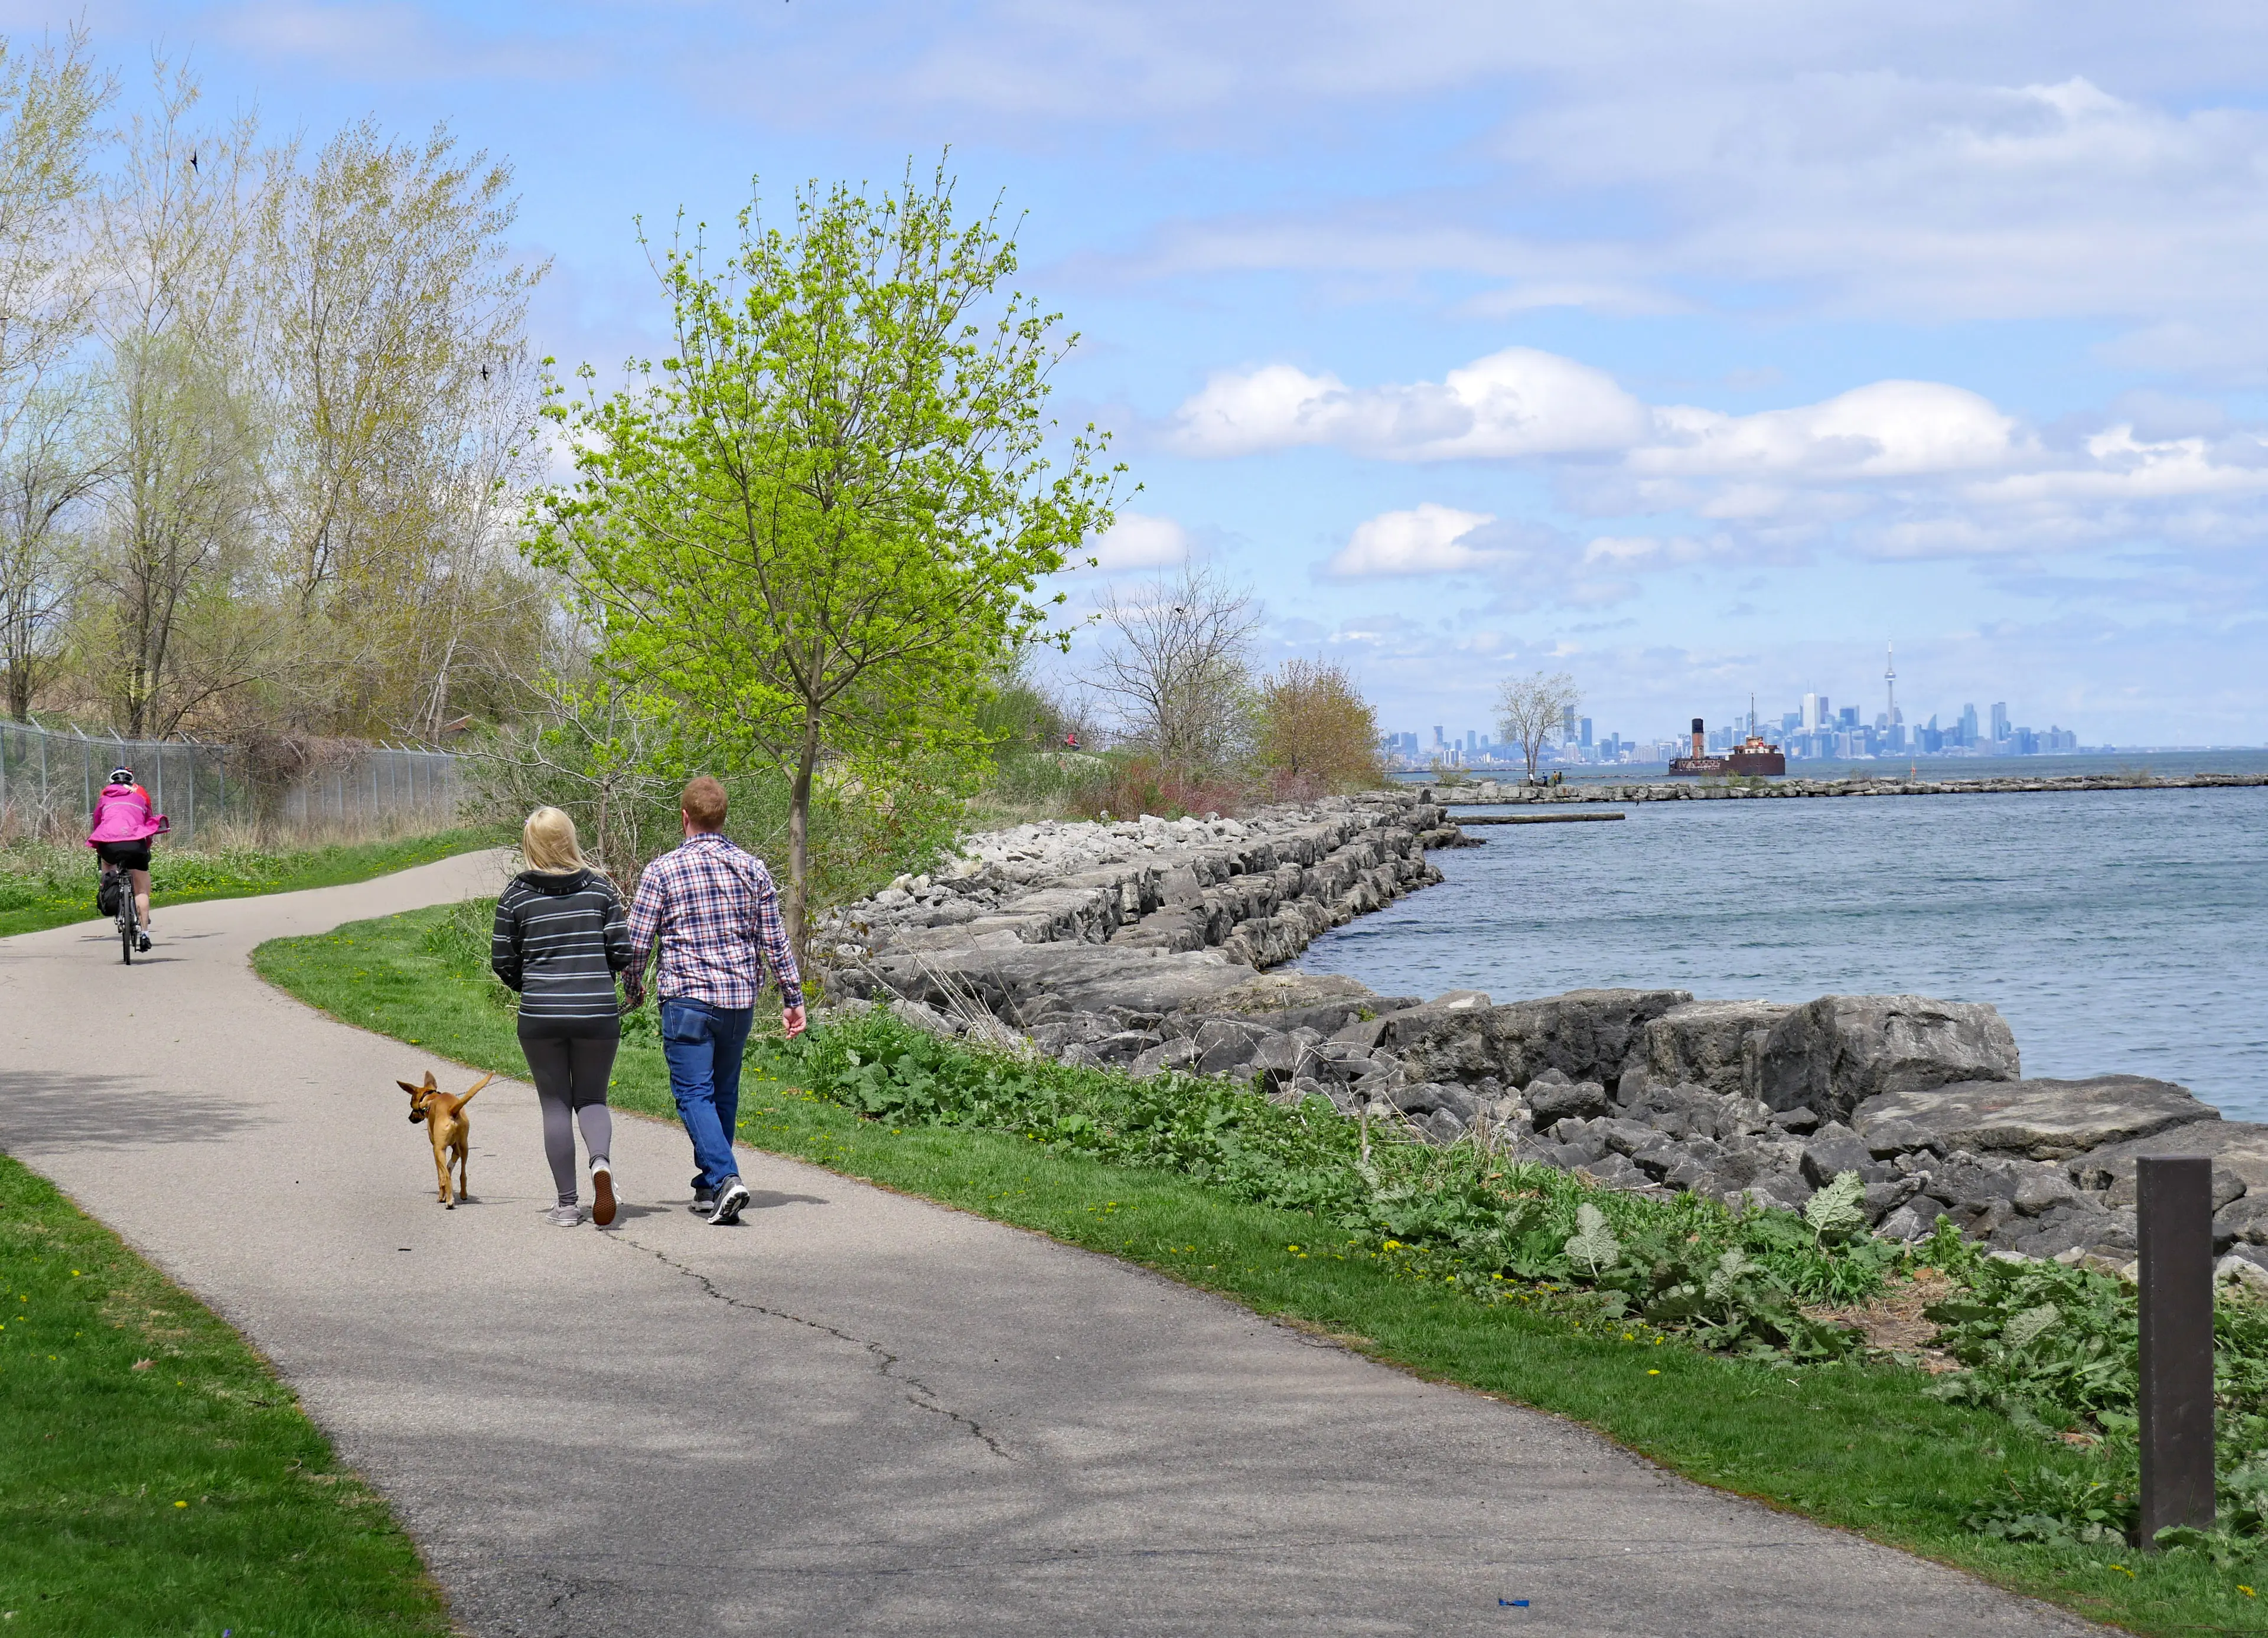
(717, 914)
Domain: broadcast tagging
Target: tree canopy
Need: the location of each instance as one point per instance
(817, 527)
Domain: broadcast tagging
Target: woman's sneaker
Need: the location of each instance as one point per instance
(565, 1216)
(704, 1201)
(142, 943)
(603, 1194)
(729, 1201)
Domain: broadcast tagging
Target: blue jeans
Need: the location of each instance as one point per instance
(703, 1045)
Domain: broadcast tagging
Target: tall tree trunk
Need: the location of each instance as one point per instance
(798, 838)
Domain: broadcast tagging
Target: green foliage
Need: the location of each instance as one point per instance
(819, 525)
(2059, 1508)
(1734, 1282)
(2050, 1347)
(616, 761)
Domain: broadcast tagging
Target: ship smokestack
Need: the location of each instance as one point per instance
(1696, 737)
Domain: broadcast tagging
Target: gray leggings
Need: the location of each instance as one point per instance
(571, 1076)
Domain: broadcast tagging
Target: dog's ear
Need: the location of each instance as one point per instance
(413, 1091)
(431, 1085)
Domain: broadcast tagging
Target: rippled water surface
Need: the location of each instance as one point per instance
(2118, 930)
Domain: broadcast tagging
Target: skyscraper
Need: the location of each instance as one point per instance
(2000, 720)
(1813, 705)
(1968, 728)
(1584, 730)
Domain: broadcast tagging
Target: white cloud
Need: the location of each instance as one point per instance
(1514, 403)
(1889, 429)
(1521, 403)
(1428, 540)
(1140, 541)
(2126, 468)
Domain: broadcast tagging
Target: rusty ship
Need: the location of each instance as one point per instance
(1753, 757)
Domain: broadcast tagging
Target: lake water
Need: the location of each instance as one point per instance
(2117, 931)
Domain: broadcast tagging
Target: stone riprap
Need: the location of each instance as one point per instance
(1143, 916)
(1484, 793)
(1143, 945)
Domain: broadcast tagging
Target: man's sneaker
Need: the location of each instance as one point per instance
(142, 943)
(565, 1216)
(603, 1194)
(730, 1200)
(704, 1201)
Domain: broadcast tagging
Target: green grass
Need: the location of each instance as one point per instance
(1860, 1445)
(46, 886)
(155, 1477)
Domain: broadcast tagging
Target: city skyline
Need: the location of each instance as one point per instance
(1817, 729)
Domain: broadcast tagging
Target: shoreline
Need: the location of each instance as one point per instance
(1489, 793)
(1145, 946)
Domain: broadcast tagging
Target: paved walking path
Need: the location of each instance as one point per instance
(857, 1413)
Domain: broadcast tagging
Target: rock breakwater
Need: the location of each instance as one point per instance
(1145, 946)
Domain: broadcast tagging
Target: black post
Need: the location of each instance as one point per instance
(2174, 1195)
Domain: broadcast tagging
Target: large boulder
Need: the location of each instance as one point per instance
(2237, 1148)
(2042, 1120)
(1716, 1043)
(1025, 985)
(1831, 1054)
(1588, 1034)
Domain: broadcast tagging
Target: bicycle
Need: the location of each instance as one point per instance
(122, 881)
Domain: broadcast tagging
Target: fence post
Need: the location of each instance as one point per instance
(2174, 1200)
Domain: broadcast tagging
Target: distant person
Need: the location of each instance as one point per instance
(559, 939)
(716, 914)
(124, 822)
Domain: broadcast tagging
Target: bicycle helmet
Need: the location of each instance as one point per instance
(122, 775)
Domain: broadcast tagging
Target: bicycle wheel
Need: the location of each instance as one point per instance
(126, 929)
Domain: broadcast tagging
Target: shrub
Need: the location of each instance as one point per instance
(1315, 728)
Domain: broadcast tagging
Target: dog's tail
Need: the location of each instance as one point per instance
(459, 1102)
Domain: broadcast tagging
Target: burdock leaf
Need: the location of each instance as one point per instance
(1840, 1206)
(2030, 1325)
(1727, 1274)
(1592, 1242)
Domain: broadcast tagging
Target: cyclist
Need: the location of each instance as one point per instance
(123, 824)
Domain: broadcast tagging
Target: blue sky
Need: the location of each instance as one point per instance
(1692, 349)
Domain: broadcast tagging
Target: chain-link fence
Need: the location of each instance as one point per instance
(48, 781)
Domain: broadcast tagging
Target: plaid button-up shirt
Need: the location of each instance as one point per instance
(716, 914)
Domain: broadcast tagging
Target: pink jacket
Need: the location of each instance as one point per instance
(122, 814)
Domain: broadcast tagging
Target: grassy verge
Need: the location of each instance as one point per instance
(155, 1477)
(1857, 1443)
(46, 887)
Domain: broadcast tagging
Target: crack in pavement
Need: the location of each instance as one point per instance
(924, 1398)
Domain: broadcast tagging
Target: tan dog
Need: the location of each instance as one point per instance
(445, 1124)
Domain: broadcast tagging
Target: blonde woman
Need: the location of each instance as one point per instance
(560, 938)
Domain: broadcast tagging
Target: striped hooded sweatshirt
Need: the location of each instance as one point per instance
(559, 941)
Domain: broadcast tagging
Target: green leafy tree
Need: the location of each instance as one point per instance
(818, 524)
